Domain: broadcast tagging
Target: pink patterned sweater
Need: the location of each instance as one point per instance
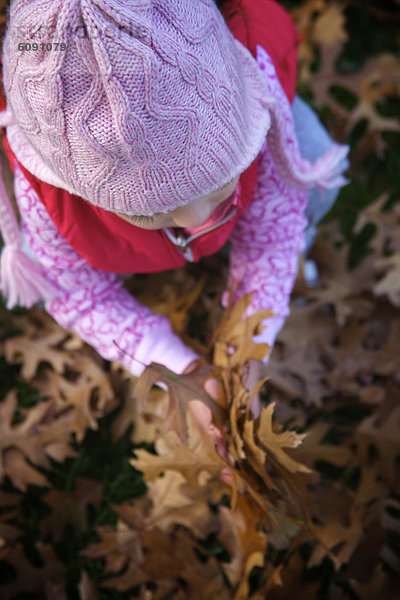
(265, 246)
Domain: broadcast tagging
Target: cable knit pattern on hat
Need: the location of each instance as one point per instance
(165, 105)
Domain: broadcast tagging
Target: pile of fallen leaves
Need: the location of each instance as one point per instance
(110, 488)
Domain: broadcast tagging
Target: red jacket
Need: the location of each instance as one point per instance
(111, 244)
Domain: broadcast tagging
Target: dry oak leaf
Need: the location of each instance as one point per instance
(330, 25)
(181, 390)
(382, 431)
(258, 471)
(381, 585)
(90, 394)
(304, 349)
(243, 478)
(233, 343)
(287, 478)
(379, 78)
(237, 410)
(275, 442)
(33, 579)
(37, 345)
(118, 547)
(366, 349)
(245, 542)
(292, 585)
(320, 23)
(10, 501)
(387, 225)
(87, 588)
(304, 18)
(311, 450)
(30, 438)
(21, 438)
(369, 552)
(371, 491)
(336, 540)
(176, 502)
(70, 506)
(20, 472)
(169, 558)
(173, 557)
(9, 507)
(339, 285)
(390, 520)
(344, 526)
(177, 310)
(254, 455)
(389, 284)
(253, 473)
(148, 422)
(194, 463)
(8, 536)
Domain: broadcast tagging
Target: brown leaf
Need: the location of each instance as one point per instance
(390, 283)
(329, 26)
(29, 578)
(275, 442)
(89, 394)
(8, 533)
(166, 557)
(21, 438)
(177, 310)
(117, 547)
(177, 502)
(70, 506)
(381, 430)
(337, 541)
(20, 472)
(382, 585)
(245, 544)
(192, 462)
(181, 390)
(87, 588)
(292, 582)
(236, 332)
(311, 449)
(37, 344)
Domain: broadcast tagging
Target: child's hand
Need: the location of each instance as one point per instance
(203, 416)
(254, 375)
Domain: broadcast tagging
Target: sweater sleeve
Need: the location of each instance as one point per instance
(270, 235)
(265, 247)
(92, 303)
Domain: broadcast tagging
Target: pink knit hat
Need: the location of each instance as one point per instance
(152, 104)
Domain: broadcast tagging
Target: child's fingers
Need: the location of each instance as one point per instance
(201, 413)
(256, 406)
(213, 388)
(203, 416)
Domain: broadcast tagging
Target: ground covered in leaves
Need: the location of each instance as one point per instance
(110, 489)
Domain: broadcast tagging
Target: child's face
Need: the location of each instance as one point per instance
(191, 215)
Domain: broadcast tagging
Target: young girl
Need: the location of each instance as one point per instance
(145, 134)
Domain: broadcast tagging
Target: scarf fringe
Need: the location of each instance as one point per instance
(324, 173)
(22, 280)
